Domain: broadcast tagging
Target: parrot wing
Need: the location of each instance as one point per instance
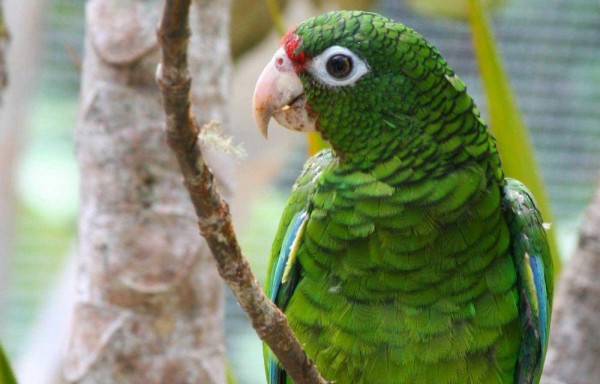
(533, 264)
(282, 282)
(284, 271)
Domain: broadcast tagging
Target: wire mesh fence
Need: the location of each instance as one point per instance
(551, 52)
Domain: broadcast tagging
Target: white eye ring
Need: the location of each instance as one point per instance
(318, 67)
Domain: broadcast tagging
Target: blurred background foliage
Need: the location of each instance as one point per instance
(550, 52)
(6, 373)
(46, 182)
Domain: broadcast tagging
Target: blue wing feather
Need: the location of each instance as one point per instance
(279, 291)
(276, 280)
(539, 281)
(276, 373)
(531, 255)
(284, 270)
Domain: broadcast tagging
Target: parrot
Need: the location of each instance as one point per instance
(403, 254)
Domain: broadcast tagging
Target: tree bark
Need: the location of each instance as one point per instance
(150, 299)
(574, 350)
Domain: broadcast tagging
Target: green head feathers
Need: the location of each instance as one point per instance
(372, 86)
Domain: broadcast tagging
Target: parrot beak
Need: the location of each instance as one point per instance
(279, 93)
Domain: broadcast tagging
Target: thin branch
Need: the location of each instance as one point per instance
(214, 220)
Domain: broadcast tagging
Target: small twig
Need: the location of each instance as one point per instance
(214, 220)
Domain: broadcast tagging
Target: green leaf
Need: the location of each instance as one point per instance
(229, 374)
(6, 374)
(516, 151)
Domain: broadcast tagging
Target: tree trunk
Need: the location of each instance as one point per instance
(574, 349)
(150, 300)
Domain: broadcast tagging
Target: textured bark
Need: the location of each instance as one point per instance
(213, 212)
(574, 350)
(150, 300)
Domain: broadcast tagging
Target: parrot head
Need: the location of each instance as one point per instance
(355, 77)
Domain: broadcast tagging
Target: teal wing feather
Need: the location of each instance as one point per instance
(284, 272)
(283, 281)
(534, 277)
(283, 278)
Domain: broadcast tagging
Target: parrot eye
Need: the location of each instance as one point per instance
(338, 66)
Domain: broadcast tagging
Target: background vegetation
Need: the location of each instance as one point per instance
(551, 55)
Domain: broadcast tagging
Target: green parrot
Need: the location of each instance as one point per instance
(403, 254)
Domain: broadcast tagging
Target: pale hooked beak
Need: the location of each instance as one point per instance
(279, 93)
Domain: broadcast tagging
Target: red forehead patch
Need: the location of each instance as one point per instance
(290, 43)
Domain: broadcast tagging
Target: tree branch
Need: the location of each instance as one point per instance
(214, 220)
